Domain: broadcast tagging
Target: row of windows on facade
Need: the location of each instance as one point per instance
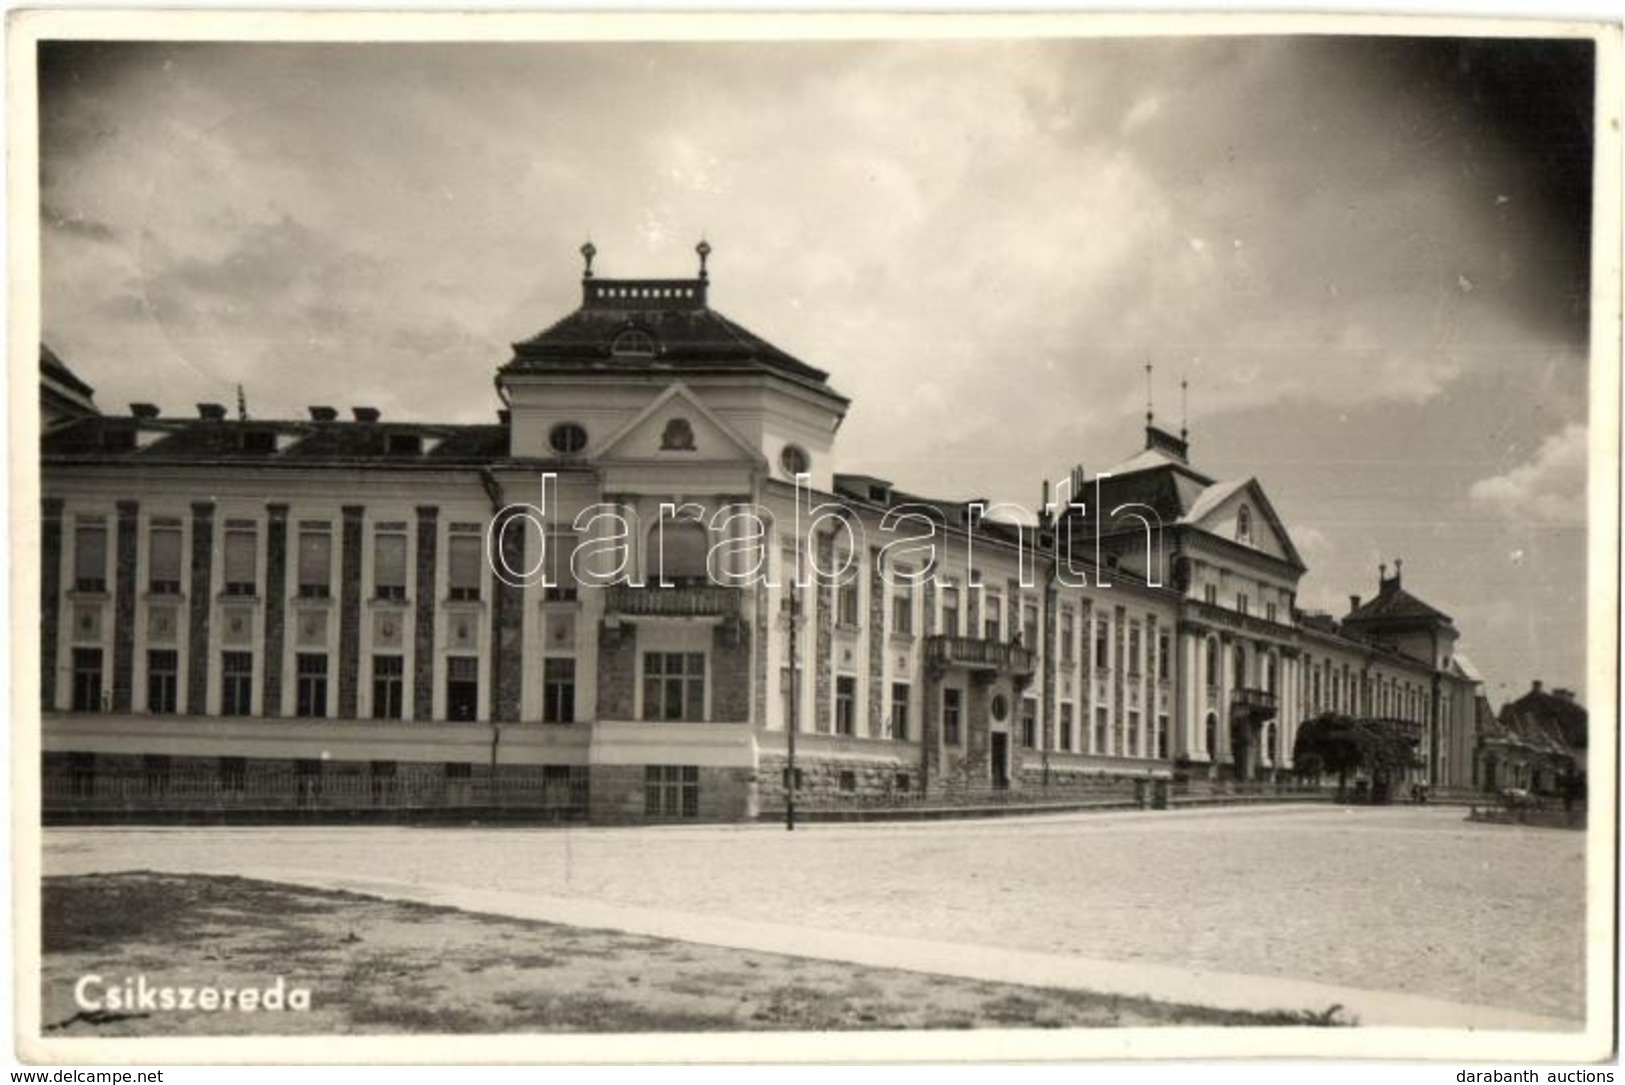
(313, 570)
(1126, 735)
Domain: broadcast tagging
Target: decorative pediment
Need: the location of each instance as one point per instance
(677, 428)
(1239, 512)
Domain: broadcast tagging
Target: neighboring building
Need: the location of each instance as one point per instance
(1538, 743)
(303, 613)
(63, 397)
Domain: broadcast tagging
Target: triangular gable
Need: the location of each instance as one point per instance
(676, 426)
(1216, 512)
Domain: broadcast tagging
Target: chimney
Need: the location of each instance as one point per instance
(323, 414)
(365, 414)
(504, 416)
(211, 412)
(1354, 602)
(144, 410)
(1535, 686)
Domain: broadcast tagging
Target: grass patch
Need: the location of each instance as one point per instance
(381, 966)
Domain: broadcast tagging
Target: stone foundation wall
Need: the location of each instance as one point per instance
(619, 795)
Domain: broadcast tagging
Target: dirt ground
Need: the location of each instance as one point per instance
(378, 966)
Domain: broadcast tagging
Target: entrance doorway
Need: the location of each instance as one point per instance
(1001, 759)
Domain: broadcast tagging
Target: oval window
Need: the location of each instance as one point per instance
(1000, 707)
(568, 437)
(794, 460)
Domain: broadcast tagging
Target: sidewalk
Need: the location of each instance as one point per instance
(1162, 982)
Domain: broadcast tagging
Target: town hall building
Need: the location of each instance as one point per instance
(618, 599)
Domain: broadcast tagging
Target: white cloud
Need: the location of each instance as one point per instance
(1550, 486)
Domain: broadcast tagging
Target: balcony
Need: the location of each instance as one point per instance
(684, 601)
(1259, 704)
(974, 653)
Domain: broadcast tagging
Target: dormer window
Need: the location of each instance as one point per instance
(633, 343)
(1244, 524)
(403, 444)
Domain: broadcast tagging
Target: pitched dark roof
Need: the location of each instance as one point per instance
(687, 335)
(1393, 603)
(55, 368)
(1547, 720)
(305, 443)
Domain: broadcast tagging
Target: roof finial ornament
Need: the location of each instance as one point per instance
(1382, 571)
(704, 249)
(242, 405)
(1184, 408)
(588, 251)
(1399, 567)
(1149, 413)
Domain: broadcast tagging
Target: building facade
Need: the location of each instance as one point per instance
(620, 599)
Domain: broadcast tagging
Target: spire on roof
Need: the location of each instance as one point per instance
(1150, 414)
(1184, 409)
(704, 249)
(588, 251)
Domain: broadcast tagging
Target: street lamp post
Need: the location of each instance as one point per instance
(795, 695)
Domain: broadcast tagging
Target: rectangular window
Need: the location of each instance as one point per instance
(163, 681)
(388, 687)
(311, 677)
(950, 610)
(899, 711)
(1241, 602)
(991, 626)
(1134, 736)
(1103, 643)
(559, 691)
(462, 688)
(1068, 632)
(1164, 658)
(1063, 734)
(1100, 731)
(315, 560)
(674, 686)
(1210, 594)
(164, 558)
(1029, 627)
(90, 556)
(900, 782)
(951, 703)
(1134, 651)
(87, 679)
(236, 683)
(846, 707)
(846, 603)
(848, 780)
(1269, 611)
(242, 558)
(155, 768)
(1162, 737)
(561, 580)
(389, 562)
(671, 791)
(902, 605)
(463, 565)
(1029, 723)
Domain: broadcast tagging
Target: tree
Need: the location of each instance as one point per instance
(1334, 743)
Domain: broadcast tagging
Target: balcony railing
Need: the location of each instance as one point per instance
(1261, 703)
(684, 601)
(978, 654)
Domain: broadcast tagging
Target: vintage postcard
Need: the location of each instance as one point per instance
(813, 538)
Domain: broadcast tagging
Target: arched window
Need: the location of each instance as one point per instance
(1212, 735)
(1241, 667)
(1212, 662)
(1269, 743)
(1269, 674)
(676, 554)
(1244, 524)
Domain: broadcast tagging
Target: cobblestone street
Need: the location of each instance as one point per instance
(1403, 899)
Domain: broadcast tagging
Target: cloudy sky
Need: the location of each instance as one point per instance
(1368, 256)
